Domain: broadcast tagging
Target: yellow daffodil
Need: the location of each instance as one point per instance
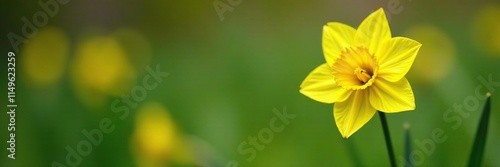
(364, 72)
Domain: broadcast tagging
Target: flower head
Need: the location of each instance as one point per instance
(364, 72)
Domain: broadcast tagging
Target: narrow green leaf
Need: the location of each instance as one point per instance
(476, 155)
(408, 147)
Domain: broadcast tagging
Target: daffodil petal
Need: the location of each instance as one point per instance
(396, 58)
(392, 97)
(336, 37)
(353, 113)
(319, 85)
(373, 31)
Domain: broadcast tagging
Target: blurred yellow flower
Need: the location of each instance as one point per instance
(156, 141)
(436, 59)
(101, 69)
(486, 29)
(45, 57)
(364, 72)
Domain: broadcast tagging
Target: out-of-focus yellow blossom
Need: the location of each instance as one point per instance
(156, 140)
(364, 72)
(436, 60)
(486, 29)
(101, 69)
(45, 57)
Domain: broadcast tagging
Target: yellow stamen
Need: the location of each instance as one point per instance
(362, 75)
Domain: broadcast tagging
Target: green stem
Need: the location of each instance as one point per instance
(387, 136)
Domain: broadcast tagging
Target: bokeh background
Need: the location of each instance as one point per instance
(225, 78)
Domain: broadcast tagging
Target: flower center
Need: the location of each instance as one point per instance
(362, 75)
(355, 69)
